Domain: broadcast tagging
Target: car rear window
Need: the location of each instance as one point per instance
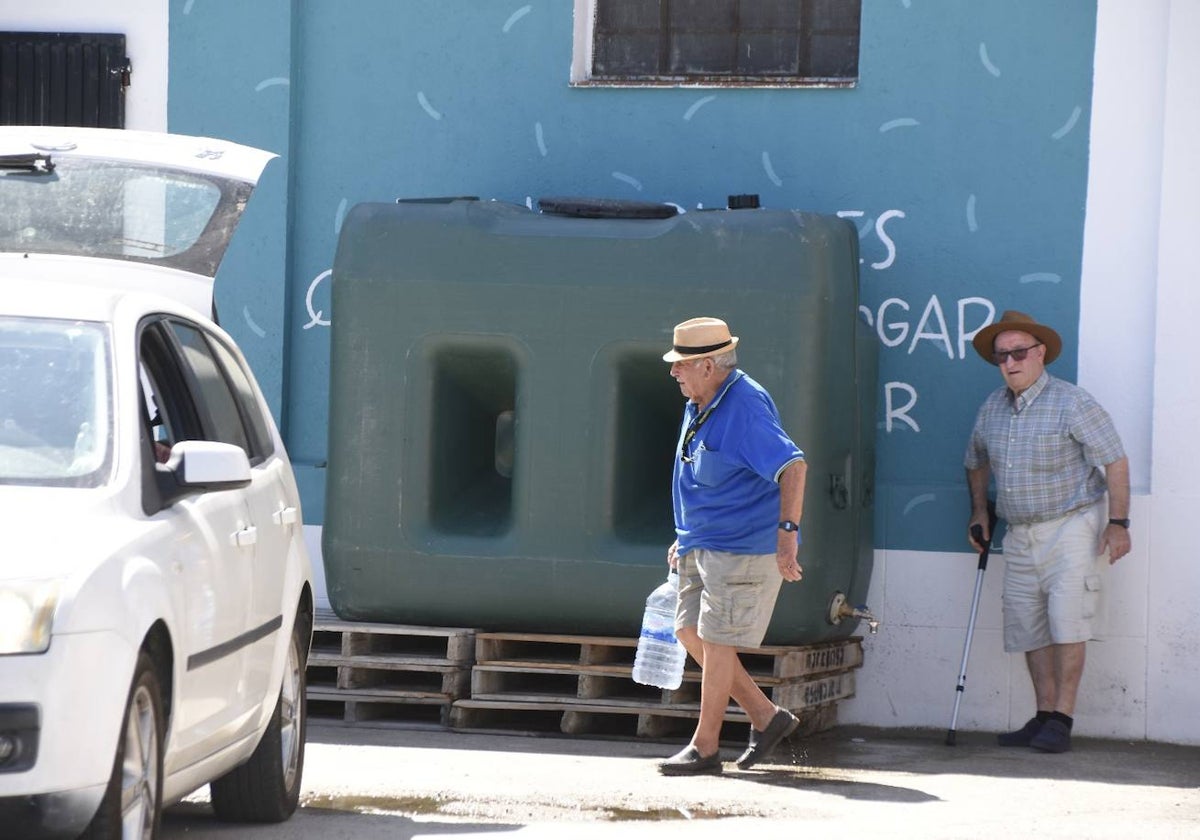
(92, 207)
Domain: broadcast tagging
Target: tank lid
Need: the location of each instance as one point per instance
(606, 208)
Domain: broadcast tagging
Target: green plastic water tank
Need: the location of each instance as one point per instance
(502, 425)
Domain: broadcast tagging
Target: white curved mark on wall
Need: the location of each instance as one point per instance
(770, 170)
(429, 109)
(902, 122)
(628, 179)
(972, 224)
(1068, 125)
(272, 82)
(924, 498)
(987, 62)
(316, 315)
(516, 16)
(696, 106)
(254, 328)
(187, 7)
(339, 217)
(1041, 277)
(541, 138)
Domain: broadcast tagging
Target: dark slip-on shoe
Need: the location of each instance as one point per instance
(1020, 737)
(783, 724)
(1053, 737)
(689, 762)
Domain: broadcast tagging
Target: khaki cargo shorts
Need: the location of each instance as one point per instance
(1053, 581)
(727, 597)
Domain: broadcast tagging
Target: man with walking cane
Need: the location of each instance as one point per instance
(1055, 454)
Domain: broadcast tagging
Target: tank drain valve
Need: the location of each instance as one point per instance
(839, 609)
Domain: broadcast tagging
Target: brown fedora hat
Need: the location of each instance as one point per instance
(699, 338)
(1014, 321)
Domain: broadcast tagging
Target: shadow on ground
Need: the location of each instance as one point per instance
(814, 760)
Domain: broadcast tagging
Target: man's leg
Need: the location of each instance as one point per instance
(745, 691)
(1041, 664)
(1068, 671)
(1066, 668)
(720, 665)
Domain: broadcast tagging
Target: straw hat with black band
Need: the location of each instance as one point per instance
(1014, 321)
(699, 338)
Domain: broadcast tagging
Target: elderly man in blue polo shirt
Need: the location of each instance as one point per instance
(738, 495)
(1055, 454)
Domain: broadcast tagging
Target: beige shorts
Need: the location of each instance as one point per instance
(1052, 581)
(727, 597)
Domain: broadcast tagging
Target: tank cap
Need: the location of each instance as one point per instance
(743, 202)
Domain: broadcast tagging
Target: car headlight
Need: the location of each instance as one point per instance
(26, 614)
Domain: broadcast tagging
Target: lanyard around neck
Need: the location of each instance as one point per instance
(702, 418)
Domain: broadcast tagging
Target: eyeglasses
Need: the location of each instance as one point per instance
(1018, 354)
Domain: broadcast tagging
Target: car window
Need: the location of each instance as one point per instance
(120, 210)
(55, 402)
(213, 395)
(194, 388)
(257, 429)
(169, 407)
(157, 423)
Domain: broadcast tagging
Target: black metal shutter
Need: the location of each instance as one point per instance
(58, 78)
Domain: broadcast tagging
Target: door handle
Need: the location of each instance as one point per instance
(285, 516)
(244, 537)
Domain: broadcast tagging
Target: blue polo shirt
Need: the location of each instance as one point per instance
(726, 496)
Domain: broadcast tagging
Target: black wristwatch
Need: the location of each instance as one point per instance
(787, 525)
(1124, 523)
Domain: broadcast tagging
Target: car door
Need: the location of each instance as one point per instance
(210, 560)
(235, 415)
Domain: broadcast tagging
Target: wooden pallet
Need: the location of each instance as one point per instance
(586, 682)
(361, 672)
(376, 710)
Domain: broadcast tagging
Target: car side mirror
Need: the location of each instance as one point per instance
(201, 466)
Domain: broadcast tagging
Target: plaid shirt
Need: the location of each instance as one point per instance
(1045, 448)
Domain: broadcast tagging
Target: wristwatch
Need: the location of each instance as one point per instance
(1124, 523)
(787, 525)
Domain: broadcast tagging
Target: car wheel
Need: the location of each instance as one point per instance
(132, 803)
(266, 788)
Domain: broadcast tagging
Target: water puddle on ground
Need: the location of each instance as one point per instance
(417, 806)
(377, 804)
(661, 814)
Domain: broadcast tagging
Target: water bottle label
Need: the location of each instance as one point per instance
(667, 636)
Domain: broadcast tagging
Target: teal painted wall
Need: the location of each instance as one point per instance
(961, 156)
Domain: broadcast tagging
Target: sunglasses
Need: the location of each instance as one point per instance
(1018, 354)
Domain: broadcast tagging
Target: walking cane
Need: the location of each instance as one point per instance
(977, 534)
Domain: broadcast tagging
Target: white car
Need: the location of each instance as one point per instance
(156, 597)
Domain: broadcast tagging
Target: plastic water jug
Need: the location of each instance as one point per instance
(660, 657)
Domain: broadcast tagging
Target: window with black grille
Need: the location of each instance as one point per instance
(724, 42)
(63, 78)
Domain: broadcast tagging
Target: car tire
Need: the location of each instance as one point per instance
(137, 768)
(266, 788)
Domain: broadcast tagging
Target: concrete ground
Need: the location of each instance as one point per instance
(401, 783)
